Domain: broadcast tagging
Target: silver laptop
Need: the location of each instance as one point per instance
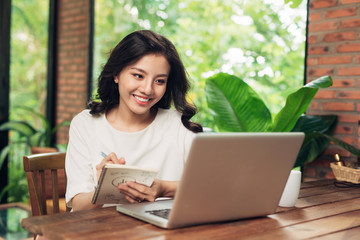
(227, 176)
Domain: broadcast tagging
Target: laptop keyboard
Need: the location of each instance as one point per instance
(164, 213)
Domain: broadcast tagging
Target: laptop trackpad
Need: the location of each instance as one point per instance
(159, 209)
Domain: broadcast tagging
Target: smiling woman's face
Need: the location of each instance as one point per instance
(142, 84)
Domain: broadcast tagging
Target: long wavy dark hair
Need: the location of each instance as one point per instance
(133, 47)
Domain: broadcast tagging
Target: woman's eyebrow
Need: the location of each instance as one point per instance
(143, 71)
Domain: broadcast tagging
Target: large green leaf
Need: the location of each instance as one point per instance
(43, 136)
(314, 144)
(23, 128)
(45, 122)
(319, 131)
(236, 107)
(65, 123)
(37, 139)
(342, 144)
(316, 123)
(297, 103)
(4, 152)
(311, 148)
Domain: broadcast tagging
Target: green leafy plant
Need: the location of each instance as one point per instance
(28, 134)
(24, 137)
(236, 107)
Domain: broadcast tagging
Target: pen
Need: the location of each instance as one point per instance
(103, 154)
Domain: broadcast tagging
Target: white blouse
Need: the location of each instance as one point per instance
(164, 145)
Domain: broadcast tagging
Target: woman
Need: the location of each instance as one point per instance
(133, 123)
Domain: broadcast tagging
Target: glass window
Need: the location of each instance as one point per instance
(28, 73)
(28, 55)
(260, 41)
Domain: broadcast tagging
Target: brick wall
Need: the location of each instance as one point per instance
(73, 59)
(334, 49)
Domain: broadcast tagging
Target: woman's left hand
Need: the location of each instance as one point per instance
(135, 192)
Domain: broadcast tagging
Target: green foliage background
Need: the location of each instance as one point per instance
(28, 70)
(28, 55)
(250, 39)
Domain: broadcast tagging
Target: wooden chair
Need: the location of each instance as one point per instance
(46, 178)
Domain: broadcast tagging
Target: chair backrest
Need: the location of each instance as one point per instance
(44, 173)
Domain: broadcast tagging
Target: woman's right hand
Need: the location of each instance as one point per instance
(82, 201)
(110, 158)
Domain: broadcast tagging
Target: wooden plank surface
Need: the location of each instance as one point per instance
(349, 234)
(311, 229)
(322, 210)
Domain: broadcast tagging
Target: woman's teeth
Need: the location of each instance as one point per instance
(142, 99)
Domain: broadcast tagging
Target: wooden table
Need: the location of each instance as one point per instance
(322, 211)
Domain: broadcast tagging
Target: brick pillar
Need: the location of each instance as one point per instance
(334, 49)
(73, 61)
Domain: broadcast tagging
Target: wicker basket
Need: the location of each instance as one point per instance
(346, 174)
